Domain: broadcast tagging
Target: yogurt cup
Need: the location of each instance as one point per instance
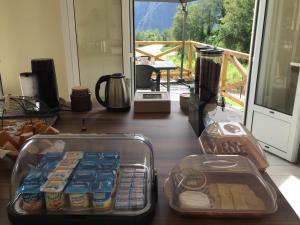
(32, 198)
(78, 195)
(101, 192)
(104, 175)
(54, 196)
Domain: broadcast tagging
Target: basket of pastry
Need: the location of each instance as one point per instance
(219, 185)
(232, 138)
(15, 132)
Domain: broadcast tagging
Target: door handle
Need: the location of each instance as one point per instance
(295, 64)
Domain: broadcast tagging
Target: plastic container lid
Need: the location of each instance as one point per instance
(213, 185)
(211, 52)
(201, 47)
(232, 138)
(58, 155)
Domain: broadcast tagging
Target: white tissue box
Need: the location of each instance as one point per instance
(152, 102)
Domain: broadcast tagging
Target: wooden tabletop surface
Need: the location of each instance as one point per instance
(172, 138)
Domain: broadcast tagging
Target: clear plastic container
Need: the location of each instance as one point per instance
(232, 138)
(211, 185)
(94, 176)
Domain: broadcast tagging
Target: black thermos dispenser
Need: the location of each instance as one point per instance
(46, 79)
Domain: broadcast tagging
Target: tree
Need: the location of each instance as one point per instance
(167, 35)
(226, 23)
(202, 21)
(236, 26)
(149, 35)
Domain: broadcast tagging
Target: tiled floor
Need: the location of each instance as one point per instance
(287, 177)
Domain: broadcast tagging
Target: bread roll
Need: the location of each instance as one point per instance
(234, 196)
(194, 200)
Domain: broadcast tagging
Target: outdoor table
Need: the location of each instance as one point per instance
(165, 65)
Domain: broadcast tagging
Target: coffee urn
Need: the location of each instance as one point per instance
(203, 101)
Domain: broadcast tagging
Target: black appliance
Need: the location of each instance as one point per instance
(196, 114)
(203, 102)
(46, 80)
(1, 87)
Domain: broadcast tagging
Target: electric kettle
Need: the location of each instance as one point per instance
(116, 92)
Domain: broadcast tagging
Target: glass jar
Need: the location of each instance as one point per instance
(210, 68)
(198, 68)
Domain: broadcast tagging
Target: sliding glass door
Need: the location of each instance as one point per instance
(103, 41)
(277, 80)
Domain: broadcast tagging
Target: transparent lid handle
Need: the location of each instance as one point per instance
(220, 163)
(272, 191)
(167, 189)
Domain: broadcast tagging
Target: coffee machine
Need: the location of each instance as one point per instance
(204, 98)
(41, 82)
(46, 81)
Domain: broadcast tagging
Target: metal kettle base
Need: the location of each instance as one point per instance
(126, 109)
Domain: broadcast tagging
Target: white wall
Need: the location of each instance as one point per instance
(30, 29)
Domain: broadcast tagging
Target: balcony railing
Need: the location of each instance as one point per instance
(226, 87)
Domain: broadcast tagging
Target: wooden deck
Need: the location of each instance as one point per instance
(230, 113)
(229, 56)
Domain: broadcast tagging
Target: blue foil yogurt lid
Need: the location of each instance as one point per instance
(111, 155)
(102, 186)
(105, 174)
(88, 165)
(94, 156)
(35, 176)
(53, 156)
(78, 187)
(29, 189)
(111, 164)
(84, 175)
(46, 165)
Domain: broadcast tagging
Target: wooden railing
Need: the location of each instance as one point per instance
(226, 88)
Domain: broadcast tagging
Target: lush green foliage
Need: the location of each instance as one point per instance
(150, 35)
(202, 22)
(226, 23)
(236, 25)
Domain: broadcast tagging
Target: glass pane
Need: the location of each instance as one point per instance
(99, 39)
(277, 80)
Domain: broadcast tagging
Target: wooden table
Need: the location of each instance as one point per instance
(173, 139)
(165, 65)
